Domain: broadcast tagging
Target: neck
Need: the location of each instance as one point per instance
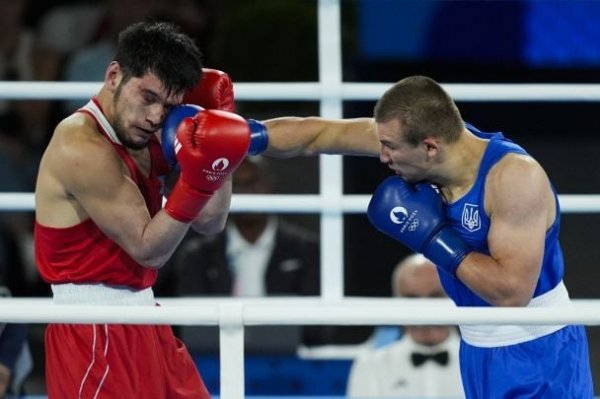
(251, 228)
(105, 99)
(462, 165)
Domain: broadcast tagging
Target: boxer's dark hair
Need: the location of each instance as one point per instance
(162, 49)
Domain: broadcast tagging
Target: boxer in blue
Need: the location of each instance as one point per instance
(484, 211)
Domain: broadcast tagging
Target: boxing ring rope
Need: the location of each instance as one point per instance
(315, 91)
(332, 308)
(229, 312)
(309, 203)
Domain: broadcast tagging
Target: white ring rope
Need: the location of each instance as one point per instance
(308, 203)
(314, 91)
(296, 311)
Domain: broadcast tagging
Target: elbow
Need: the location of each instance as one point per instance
(151, 263)
(211, 227)
(219, 227)
(512, 302)
(513, 290)
(513, 298)
(146, 258)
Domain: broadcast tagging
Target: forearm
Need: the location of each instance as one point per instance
(163, 233)
(292, 136)
(157, 241)
(489, 279)
(213, 217)
(158, 237)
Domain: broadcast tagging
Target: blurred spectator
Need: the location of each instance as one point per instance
(17, 171)
(16, 53)
(257, 254)
(65, 28)
(197, 18)
(16, 43)
(15, 357)
(20, 60)
(86, 62)
(62, 30)
(424, 362)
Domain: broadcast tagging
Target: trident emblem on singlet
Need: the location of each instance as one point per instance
(470, 217)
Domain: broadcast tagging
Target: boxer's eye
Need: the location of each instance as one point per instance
(148, 99)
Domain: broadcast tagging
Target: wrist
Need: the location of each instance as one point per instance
(185, 201)
(446, 250)
(259, 138)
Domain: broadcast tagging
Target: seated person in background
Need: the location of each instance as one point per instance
(424, 362)
(257, 254)
(16, 362)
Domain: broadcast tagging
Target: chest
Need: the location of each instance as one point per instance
(142, 161)
(468, 216)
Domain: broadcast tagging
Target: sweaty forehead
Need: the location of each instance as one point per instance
(388, 131)
(151, 83)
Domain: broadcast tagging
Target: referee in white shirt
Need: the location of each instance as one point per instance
(424, 362)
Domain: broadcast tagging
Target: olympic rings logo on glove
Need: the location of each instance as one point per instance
(212, 178)
(413, 225)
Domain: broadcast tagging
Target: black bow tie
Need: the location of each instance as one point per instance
(418, 359)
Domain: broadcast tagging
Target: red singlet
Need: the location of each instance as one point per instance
(100, 360)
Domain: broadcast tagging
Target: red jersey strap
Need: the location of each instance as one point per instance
(94, 109)
(149, 186)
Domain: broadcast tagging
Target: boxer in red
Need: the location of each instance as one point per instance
(101, 233)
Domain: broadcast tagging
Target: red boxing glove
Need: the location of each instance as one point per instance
(214, 91)
(209, 147)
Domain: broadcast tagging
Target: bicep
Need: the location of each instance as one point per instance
(102, 187)
(522, 210)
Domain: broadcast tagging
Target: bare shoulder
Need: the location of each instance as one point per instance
(76, 134)
(76, 158)
(516, 170)
(78, 147)
(518, 182)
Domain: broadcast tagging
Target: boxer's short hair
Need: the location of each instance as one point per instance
(162, 49)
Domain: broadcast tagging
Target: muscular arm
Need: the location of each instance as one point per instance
(292, 136)
(521, 206)
(81, 176)
(213, 216)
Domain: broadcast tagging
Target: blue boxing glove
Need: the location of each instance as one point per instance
(414, 215)
(169, 130)
(259, 139)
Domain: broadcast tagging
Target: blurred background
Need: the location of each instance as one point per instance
(533, 41)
